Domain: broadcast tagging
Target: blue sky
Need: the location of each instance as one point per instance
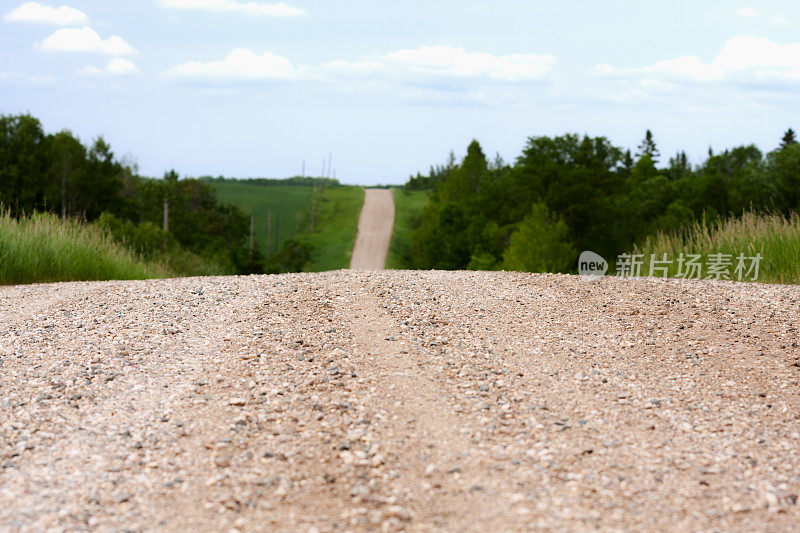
(245, 89)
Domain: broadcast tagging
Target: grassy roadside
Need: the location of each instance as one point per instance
(42, 248)
(285, 201)
(408, 206)
(776, 238)
(335, 228)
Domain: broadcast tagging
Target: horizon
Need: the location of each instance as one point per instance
(223, 87)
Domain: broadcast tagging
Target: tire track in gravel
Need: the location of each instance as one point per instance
(421, 434)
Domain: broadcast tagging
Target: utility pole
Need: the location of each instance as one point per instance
(330, 162)
(269, 233)
(304, 168)
(252, 233)
(166, 214)
(323, 168)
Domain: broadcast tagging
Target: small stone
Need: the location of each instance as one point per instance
(396, 511)
(355, 434)
(222, 461)
(360, 491)
(237, 402)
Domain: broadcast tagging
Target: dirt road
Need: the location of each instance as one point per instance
(437, 401)
(374, 230)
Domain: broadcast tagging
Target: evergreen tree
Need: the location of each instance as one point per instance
(627, 160)
(788, 138)
(679, 166)
(649, 148)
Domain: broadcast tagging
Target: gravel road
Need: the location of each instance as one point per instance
(438, 401)
(374, 230)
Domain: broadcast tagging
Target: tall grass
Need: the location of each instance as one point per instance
(775, 237)
(43, 248)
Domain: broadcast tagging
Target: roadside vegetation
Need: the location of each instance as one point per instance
(59, 175)
(43, 248)
(408, 206)
(775, 237)
(567, 194)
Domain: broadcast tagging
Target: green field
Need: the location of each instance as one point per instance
(408, 207)
(335, 228)
(286, 202)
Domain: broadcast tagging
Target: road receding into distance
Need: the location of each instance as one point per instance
(374, 231)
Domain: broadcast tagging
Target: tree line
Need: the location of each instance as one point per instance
(298, 181)
(57, 173)
(571, 193)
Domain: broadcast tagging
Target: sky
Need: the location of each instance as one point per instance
(385, 89)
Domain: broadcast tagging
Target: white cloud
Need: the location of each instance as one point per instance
(451, 62)
(115, 67)
(247, 8)
(85, 40)
(240, 65)
(746, 12)
(431, 74)
(427, 62)
(742, 59)
(39, 14)
(780, 22)
(25, 80)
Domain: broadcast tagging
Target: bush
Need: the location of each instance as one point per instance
(540, 244)
(292, 257)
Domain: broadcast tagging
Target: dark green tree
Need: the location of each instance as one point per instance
(789, 138)
(648, 147)
(24, 161)
(67, 171)
(679, 166)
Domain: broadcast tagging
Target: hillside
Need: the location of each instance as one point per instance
(287, 203)
(335, 211)
(336, 215)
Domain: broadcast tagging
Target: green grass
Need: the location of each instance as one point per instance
(776, 238)
(335, 228)
(408, 207)
(42, 248)
(289, 202)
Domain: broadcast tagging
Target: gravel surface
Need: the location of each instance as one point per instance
(399, 400)
(374, 230)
